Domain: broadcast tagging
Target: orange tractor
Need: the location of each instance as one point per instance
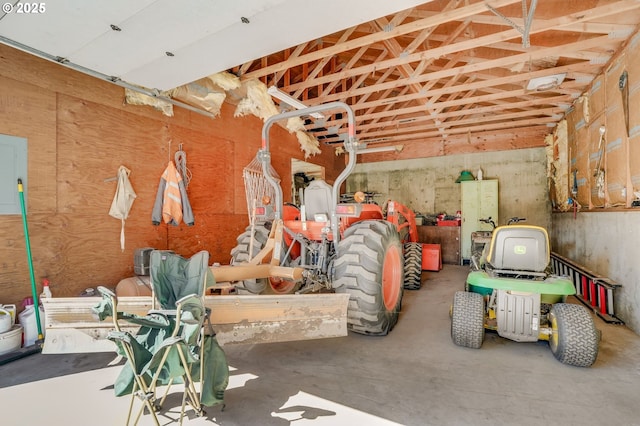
(324, 245)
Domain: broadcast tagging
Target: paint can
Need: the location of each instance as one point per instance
(27, 320)
(12, 310)
(11, 340)
(5, 321)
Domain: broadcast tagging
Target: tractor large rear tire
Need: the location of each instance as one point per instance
(369, 267)
(240, 253)
(575, 339)
(467, 319)
(412, 266)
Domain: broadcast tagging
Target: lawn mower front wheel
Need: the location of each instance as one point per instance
(467, 319)
(574, 338)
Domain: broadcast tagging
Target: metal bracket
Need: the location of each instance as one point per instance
(527, 15)
(624, 90)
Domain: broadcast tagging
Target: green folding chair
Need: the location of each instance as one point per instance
(175, 339)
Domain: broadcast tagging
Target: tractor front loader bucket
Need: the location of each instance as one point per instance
(71, 326)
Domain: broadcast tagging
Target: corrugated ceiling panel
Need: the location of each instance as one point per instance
(67, 25)
(205, 36)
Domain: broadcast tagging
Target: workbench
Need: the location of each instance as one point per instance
(447, 236)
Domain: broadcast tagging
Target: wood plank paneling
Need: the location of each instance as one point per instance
(79, 132)
(213, 232)
(31, 114)
(93, 141)
(209, 160)
(464, 144)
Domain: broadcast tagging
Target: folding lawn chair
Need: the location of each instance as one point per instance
(172, 341)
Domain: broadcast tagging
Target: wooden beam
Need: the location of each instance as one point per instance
(478, 110)
(595, 13)
(320, 65)
(296, 53)
(354, 59)
(243, 69)
(475, 86)
(447, 126)
(478, 66)
(586, 27)
(479, 128)
(417, 25)
(479, 85)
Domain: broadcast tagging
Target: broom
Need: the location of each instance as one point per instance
(33, 278)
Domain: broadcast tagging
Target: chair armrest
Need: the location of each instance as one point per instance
(187, 297)
(193, 304)
(105, 292)
(164, 312)
(107, 306)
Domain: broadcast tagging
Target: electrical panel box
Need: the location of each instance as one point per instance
(13, 166)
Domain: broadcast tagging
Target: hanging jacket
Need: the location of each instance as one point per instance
(172, 204)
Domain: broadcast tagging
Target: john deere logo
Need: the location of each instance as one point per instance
(520, 250)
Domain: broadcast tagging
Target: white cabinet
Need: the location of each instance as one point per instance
(479, 201)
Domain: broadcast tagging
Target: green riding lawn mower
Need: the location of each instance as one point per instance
(510, 290)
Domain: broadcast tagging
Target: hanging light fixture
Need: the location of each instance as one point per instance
(547, 82)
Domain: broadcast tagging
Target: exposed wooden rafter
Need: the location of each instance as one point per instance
(453, 69)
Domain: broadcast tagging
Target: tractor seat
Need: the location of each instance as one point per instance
(518, 249)
(317, 199)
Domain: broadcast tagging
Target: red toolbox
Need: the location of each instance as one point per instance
(431, 257)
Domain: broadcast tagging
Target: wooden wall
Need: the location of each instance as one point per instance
(480, 142)
(615, 153)
(603, 234)
(79, 132)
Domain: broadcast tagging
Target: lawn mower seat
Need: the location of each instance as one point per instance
(317, 199)
(519, 248)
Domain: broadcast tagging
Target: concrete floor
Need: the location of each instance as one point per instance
(413, 376)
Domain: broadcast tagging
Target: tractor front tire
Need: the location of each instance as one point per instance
(369, 267)
(467, 319)
(240, 253)
(412, 266)
(575, 338)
